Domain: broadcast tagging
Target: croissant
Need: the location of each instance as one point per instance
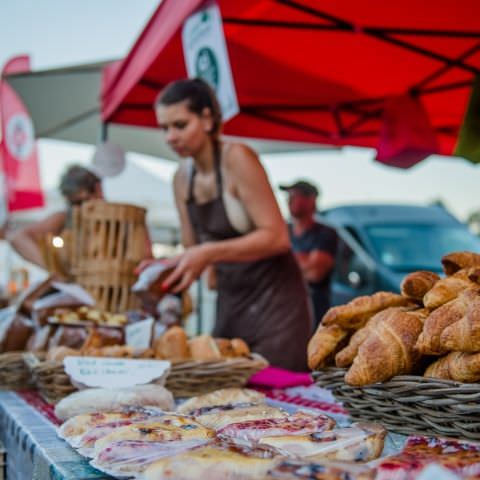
(464, 335)
(453, 262)
(458, 366)
(447, 289)
(355, 314)
(389, 349)
(323, 345)
(417, 284)
(345, 357)
(429, 342)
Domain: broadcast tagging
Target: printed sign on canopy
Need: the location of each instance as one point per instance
(206, 56)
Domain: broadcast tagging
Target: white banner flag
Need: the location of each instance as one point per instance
(206, 56)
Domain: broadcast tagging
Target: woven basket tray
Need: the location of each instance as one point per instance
(410, 404)
(49, 377)
(190, 378)
(14, 374)
(185, 378)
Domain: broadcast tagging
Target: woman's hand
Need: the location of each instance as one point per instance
(189, 267)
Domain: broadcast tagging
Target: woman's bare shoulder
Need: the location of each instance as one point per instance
(239, 155)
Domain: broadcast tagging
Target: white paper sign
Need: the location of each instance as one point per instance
(206, 56)
(139, 334)
(114, 372)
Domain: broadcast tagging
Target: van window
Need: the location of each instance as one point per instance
(406, 248)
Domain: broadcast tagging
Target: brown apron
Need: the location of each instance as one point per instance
(264, 302)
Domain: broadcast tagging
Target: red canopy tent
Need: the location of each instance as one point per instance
(370, 73)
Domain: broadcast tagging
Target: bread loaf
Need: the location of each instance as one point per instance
(204, 348)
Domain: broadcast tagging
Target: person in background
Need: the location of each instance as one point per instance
(77, 185)
(230, 220)
(314, 244)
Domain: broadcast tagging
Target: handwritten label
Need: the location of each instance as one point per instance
(114, 372)
(139, 334)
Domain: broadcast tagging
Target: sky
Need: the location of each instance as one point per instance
(67, 32)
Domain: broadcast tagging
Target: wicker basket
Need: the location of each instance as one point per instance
(49, 377)
(410, 404)
(190, 378)
(185, 379)
(14, 374)
(108, 241)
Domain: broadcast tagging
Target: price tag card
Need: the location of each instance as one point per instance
(114, 372)
(139, 334)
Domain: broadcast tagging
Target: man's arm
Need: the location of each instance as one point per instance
(25, 240)
(315, 265)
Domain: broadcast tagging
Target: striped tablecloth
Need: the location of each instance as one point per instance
(33, 449)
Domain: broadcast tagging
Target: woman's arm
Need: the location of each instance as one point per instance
(269, 237)
(25, 240)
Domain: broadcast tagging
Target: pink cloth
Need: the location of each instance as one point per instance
(274, 377)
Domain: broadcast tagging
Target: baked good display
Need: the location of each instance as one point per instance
(387, 336)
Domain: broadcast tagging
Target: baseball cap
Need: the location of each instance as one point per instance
(306, 188)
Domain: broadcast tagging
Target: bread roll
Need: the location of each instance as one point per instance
(172, 345)
(240, 347)
(204, 348)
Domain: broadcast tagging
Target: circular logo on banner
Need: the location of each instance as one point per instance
(206, 66)
(19, 137)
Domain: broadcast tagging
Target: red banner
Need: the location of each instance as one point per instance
(18, 149)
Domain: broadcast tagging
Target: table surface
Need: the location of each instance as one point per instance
(33, 448)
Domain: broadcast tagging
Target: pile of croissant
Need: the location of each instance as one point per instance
(432, 328)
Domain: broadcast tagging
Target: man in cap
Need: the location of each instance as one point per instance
(314, 244)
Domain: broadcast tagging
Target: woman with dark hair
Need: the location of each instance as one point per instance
(230, 220)
(76, 185)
